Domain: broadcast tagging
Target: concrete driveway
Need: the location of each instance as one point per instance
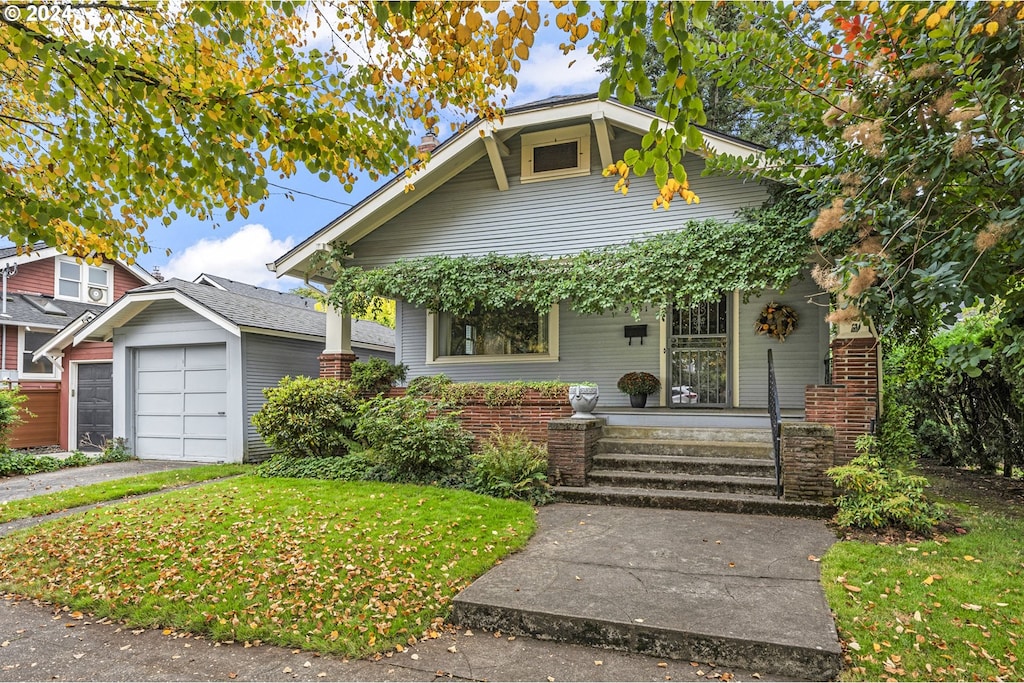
(16, 488)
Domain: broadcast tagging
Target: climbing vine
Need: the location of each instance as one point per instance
(764, 248)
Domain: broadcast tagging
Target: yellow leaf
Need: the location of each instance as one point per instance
(969, 558)
(992, 28)
(933, 20)
(852, 589)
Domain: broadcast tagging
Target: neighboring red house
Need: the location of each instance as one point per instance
(47, 293)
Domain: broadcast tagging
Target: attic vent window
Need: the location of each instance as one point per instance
(560, 153)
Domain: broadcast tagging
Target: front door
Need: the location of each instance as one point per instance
(95, 413)
(699, 355)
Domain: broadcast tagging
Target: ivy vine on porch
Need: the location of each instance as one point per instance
(763, 248)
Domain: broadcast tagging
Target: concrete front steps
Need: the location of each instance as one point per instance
(719, 469)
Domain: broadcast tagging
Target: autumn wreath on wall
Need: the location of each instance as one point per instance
(776, 320)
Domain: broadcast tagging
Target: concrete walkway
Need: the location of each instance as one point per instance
(737, 590)
(43, 643)
(16, 488)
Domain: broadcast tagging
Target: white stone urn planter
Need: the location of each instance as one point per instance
(583, 399)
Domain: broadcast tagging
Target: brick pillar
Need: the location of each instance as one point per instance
(850, 403)
(808, 449)
(336, 365)
(571, 447)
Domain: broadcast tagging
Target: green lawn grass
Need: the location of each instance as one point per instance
(113, 490)
(347, 568)
(949, 609)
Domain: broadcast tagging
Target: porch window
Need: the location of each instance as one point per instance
(560, 153)
(517, 333)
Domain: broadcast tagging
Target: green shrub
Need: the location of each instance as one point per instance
(875, 495)
(78, 459)
(376, 376)
(354, 466)
(936, 441)
(116, 450)
(13, 463)
(493, 394)
(411, 442)
(10, 413)
(898, 446)
(306, 417)
(511, 466)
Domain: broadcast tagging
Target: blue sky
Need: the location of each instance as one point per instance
(241, 248)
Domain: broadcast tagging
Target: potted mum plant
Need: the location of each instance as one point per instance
(638, 385)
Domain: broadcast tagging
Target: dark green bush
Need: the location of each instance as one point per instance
(354, 466)
(306, 417)
(935, 441)
(10, 413)
(412, 441)
(897, 445)
(376, 376)
(14, 463)
(510, 466)
(875, 495)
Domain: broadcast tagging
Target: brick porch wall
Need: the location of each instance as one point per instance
(850, 403)
(531, 416)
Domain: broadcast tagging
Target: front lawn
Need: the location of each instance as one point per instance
(948, 609)
(113, 490)
(346, 568)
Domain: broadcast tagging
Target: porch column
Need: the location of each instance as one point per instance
(337, 358)
(852, 402)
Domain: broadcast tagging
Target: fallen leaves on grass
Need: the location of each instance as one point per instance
(316, 565)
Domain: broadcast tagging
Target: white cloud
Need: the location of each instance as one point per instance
(547, 73)
(242, 256)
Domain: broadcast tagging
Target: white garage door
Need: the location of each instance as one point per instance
(180, 403)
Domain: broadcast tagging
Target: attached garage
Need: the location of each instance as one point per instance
(181, 402)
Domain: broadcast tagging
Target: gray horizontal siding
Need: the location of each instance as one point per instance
(364, 355)
(799, 360)
(266, 360)
(166, 323)
(591, 349)
(469, 215)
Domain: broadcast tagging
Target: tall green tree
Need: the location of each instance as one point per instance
(918, 170)
(115, 114)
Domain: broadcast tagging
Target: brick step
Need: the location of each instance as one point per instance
(684, 464)
(682, 482)
(724, 449)
(691, 500)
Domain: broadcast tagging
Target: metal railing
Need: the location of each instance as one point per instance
(775, 415)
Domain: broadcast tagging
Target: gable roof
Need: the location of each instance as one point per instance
(9, 256)
(482, 138)
(234, 312)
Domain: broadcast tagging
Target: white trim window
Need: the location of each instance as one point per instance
(30, 341)
(559, 153)
(94, 287)
(517, 334)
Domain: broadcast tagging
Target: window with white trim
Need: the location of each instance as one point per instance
(82, 282)
(29, 342)
(512, 334)
(560, 153)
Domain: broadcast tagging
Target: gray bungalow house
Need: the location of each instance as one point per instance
(191, 360)
(533, 184)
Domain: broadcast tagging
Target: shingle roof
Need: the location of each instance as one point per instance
(12, 250)
(44, 311)
(271, 295)
(260, 310)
